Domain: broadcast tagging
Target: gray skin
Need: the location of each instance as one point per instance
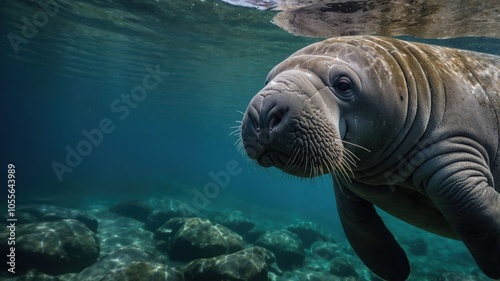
(423, 122)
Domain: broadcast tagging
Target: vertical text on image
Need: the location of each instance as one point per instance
(11, 218)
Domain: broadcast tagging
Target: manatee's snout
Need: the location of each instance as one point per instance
(267, 115)
(288, 125)
(264, 128)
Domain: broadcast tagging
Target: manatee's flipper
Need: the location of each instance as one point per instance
(472, 208)
(369, 237)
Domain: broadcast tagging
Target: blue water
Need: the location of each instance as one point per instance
(212, 57)
(67, 77)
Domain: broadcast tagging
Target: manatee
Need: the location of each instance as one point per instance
(410, 128)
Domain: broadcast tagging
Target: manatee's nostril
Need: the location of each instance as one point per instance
(255, 124)
(251, 121)
(275, 120)
(263, 116)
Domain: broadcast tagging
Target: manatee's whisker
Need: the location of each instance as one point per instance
(331, 163)
(316, 165)
(328, 165)
(236, 127)
(344, 173)
(235, 132)
(347, 167)
(336, 178)
(341, 174)
(334, 165)
(238, 142)
(293, 158)
(344, 168)
(294, 162)
(308, 163)
(301, 158)
(241, 150)
(350, 154)
(356, 145)
(290, 147)
(349, 158)
(328, 170)
(323, 166)
(344, 161)
(312, 170)
(318, 168)
(242, 113)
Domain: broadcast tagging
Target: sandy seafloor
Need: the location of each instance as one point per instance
(64, 77)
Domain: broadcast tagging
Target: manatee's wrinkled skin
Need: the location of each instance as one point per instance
(410, 128)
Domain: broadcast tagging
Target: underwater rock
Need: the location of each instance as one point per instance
(457, 276)
(188, 239)
(135, 209)
(168, 209)
(254, 234)
(23, 218)
(418, 247)
(308, 232)
(307, 275)
(235, 220)
(327, 250)
(343, 267)
(167, 231)
(34, 275)
(56, 247)
(286, 247)
(55, 213)
(246, 265)
(129, 263)
(88, 220)
(116, 231)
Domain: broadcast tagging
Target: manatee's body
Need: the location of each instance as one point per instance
(410, 128)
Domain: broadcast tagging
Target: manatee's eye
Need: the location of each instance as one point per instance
(343, 85)
(343, 82)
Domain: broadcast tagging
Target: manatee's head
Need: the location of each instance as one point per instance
(324, 109)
